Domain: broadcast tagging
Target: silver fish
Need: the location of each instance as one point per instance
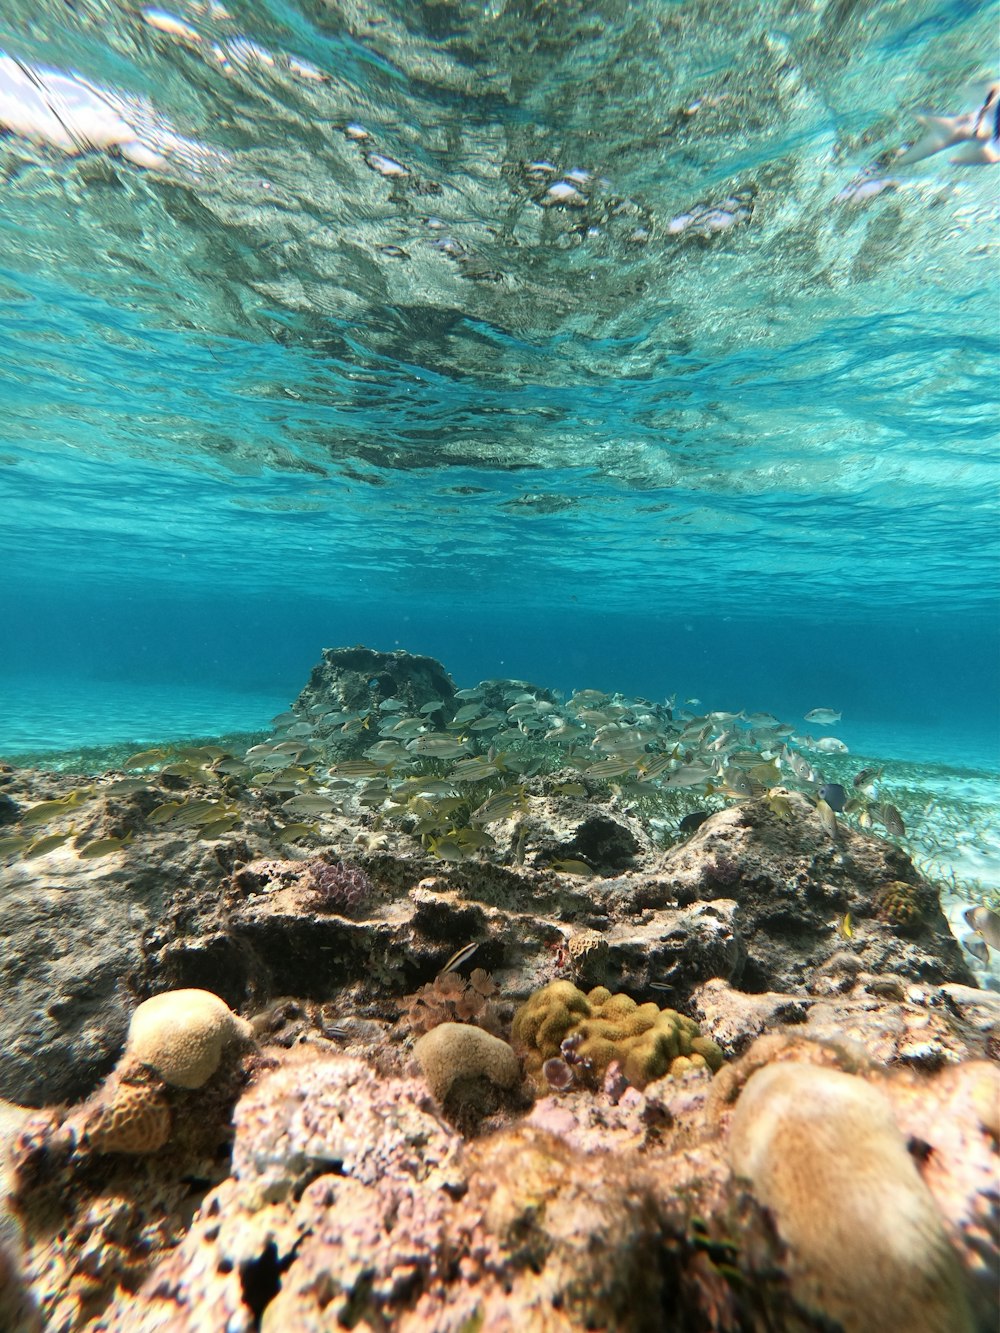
(986, 923)
(977, 946)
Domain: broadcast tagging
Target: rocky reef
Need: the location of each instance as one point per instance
(339, 1081)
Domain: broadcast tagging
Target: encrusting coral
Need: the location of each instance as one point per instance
(595, 1029)
(867, 1245)
(181, 1035)
(454, 1051)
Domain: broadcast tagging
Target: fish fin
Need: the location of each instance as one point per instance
(977, 153)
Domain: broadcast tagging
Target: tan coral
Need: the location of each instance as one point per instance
(182, 1034)
(453, 1051)
(867, 1245)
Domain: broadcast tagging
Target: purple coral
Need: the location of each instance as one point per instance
(340, 886)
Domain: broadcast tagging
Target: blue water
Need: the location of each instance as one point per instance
(260, 396)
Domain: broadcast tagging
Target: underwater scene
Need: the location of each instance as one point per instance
(500, 667)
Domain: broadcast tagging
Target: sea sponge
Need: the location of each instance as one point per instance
(181, 1035)
(867, 1245)
(458, 1050)
(600, 1027)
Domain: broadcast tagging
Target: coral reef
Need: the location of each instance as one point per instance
(595, 1029)
(367, 1152)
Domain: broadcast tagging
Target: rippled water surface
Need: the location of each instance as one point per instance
(605, 343)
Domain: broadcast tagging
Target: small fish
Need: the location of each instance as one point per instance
(571, 867)
(688, 775)
(975, 133)
(437, 746)
(42, 846)
(459, 957)
(474, 770)
(737, 782)
(823, 717)
(467, 713)
(654, 766)
(447, 849)
(126, 786)
(977, 946)
(357, 768)
(865, 819)
(831, 745)
(693, 821)
(476, 692)
(163, 812)
(827, 817)
(101, 847)
(394, 706)
(170, 24)
(569, 789)
(799, 765)
(985, 923)
(45, 810)
(892, 820)
(216, 827)
(145, 759)
(309, 805)
(473, 838)
(779, 804)
(608, 768)
(500, 806)
(197, 812)
(488, 723)
(844, 928)
(834, 795)
(866, 778)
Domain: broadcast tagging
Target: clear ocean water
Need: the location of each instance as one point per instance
(612, 345)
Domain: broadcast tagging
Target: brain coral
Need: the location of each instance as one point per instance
(133, 1118)
(181, 1035)
(647, 1042)
(458, 1050)
(903, 905)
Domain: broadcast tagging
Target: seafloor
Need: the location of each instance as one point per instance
(522, 1013)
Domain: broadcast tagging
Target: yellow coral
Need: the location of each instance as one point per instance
(647, 1041)
(181, 1034)
(901, 904)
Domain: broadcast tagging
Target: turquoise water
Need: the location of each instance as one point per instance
(561, 342)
